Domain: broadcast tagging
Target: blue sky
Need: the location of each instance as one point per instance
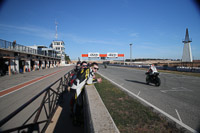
(154, 27)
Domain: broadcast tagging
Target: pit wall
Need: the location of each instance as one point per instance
(97, 117)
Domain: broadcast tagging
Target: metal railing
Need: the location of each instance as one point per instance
(20, 48)
(52, 96)
(16, 47)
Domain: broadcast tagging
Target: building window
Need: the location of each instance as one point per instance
(57, 48)
(56, 43)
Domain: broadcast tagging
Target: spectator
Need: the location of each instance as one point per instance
(74, 74)
(85, 76)
(14, 44)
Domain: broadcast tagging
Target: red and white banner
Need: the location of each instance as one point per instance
(96, 55)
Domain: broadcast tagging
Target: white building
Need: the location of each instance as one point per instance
(59, 46)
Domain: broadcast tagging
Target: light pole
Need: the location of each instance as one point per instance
(131, 52)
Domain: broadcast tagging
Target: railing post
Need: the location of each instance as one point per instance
(40, 108)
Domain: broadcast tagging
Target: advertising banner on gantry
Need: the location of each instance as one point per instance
(93, 55)
(112, 55)
(108, 55)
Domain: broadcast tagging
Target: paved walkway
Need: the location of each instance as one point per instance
(64, 123)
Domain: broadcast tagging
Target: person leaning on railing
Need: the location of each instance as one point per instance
(85, 76)
(14, 44)
(73, 75)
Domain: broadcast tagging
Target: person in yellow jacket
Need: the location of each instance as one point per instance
(85, 76)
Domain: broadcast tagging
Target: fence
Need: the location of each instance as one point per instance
(16, 47)
(39, 118)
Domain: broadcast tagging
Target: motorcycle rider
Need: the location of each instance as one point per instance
(77, 71)
(152, 69)
(74, 74)
(85, 76)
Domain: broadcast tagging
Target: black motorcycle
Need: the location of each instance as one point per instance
(105, 65)
(153, 78)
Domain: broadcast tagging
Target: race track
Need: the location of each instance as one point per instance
(178, 95)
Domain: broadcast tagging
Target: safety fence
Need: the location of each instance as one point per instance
(38, 118)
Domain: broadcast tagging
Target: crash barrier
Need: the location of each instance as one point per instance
(41, 116)
(98, 119)
(180, 69)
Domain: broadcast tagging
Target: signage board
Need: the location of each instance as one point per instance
(112, 55)
(94, 55)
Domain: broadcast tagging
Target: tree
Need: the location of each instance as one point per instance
(67, 58)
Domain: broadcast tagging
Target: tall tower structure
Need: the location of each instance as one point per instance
(59, 46)
(56, 36)
(187, 54)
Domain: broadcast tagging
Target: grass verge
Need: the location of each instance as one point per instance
(130, 115)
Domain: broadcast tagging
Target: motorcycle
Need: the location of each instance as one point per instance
(105, 66)
(153, 78)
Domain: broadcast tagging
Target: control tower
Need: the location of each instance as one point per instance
(59, 46)
(187, 54)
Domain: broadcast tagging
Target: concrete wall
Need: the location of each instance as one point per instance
(98, 118)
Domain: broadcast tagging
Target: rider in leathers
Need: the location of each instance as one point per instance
(84, 76)
(151, 71)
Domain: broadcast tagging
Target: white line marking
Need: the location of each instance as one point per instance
(164, 91)
(178, 116)
(178, 89)
(138, 93)
(153, 106)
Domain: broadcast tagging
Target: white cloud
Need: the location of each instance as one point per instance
(28, 30)
(83, 40)
(134, 34)
(49, 34)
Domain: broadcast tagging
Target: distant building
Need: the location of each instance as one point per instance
(187, 54)
(43, 50)
(59, 46)
(16, 58)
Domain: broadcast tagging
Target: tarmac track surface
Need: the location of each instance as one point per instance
(17, 89)
(178, 95)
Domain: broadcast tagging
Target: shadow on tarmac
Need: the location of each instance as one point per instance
(64, 123)
(139, 82)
